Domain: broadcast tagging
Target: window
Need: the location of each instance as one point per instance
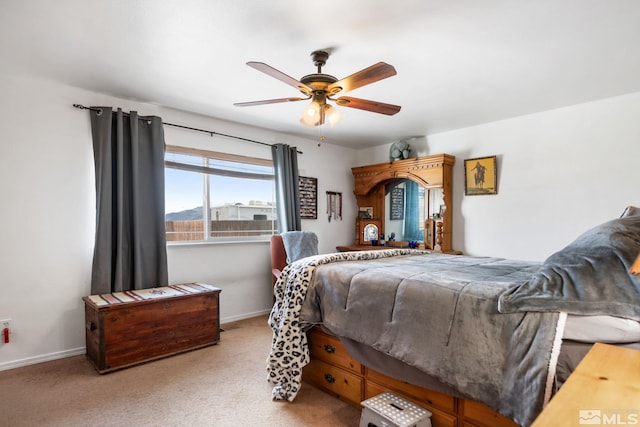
(213, 196)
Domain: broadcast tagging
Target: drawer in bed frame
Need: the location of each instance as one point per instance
(334, 371)
(122, 334)
(329, 349)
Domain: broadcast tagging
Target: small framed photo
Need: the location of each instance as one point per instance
(365, 212)
(480, 176)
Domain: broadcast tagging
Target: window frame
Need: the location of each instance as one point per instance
(207, 239)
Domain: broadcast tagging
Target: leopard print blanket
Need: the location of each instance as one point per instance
(289, 347)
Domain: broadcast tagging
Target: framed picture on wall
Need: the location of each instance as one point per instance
(308, 191)
(480, 176)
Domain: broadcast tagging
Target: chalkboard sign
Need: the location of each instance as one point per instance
(397, 204)
(308, 192)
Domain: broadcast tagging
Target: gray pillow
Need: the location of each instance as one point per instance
(590, 276)
(299, 244)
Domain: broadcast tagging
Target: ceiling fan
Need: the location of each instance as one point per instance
(320, 88)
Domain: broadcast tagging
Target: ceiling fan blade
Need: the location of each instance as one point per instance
(268, 101)
(369, 75)
(269, 70)
(364, 104)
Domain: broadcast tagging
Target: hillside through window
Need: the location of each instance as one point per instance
(219, 197)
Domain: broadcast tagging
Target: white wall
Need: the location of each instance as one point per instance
(48, 215)
(560, 172)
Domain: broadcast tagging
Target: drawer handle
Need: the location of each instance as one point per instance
(329, 378)
(166, 306)
(329, 349)
(91, 326)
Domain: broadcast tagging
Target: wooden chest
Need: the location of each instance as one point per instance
(127, 328)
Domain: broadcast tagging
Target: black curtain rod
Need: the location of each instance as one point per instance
(210, 132)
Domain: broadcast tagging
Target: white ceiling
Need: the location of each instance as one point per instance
(459, 63)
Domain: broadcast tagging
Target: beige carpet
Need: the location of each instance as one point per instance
(221, 385)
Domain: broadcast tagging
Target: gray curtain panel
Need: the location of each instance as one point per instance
(285, 164)
(130, 248)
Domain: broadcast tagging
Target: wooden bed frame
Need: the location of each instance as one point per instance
(333, 370)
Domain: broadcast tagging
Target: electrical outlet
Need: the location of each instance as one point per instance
(5, 326)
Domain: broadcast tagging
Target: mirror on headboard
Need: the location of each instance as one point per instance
(407, 206)
(383, 189)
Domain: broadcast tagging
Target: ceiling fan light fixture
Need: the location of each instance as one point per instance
(333, 115)
(313, 109)
(312, 114)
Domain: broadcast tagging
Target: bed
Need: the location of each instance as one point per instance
(482, 328)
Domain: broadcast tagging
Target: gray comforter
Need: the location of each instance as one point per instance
(439, 313)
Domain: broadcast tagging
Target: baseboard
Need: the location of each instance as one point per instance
(82, 350)
(42, 358)
(244, 316)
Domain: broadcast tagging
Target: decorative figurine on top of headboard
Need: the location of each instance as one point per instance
(399, 150)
